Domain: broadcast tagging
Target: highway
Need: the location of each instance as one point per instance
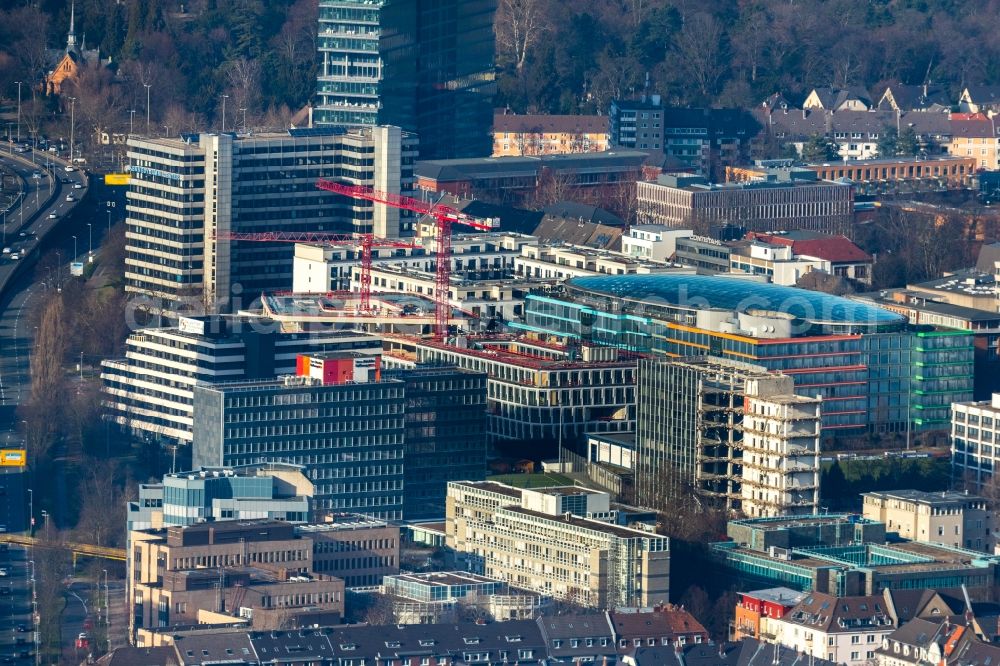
(45, 203)
(17, 636)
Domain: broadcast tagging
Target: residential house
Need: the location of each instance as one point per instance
(904, 98)
(579, 638)
(755, 609)
(979, 99)
(663, 625)
(838, 99)
(845, 630)
(916, 643)
(844, 257)
(747, 652)
(855, 133)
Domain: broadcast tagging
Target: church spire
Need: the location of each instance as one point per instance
(71, 35)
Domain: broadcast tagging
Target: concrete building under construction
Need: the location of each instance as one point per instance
(731, 431)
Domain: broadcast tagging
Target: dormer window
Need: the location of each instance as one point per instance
(392, 644)
(471, 641)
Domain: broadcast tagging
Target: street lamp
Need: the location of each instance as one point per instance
(244, 120)
(90, 242)
(74, 247)
(224, 98)
(148, 86)
(18, 110)
(131, 121)
(72, 126)
(31, 512)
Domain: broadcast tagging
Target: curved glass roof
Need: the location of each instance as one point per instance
(739, 295)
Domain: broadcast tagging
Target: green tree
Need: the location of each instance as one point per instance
(818, 148)
(888, 142)
(909, 144)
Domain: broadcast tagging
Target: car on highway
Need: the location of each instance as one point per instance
(70, 197)
(7, 250)
(77, 186)
(53, 216)
(69, 169)
(3, 572)
(15, 256)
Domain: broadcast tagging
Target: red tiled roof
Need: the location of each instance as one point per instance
(669, 622)
(836, 249)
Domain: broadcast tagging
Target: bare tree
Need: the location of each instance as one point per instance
(243, 76)
(520, 25)
(699, 49)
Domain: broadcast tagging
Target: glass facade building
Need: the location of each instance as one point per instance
(423, 65)
(869, 366)
(445, 435)
(349, 437)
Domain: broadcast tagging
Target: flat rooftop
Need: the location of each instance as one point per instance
(563, 491)
(595, 525)
(495, 352)
(782, 523)
(779, 595)
(968, 283)
(444, 578)
(943, 498)
(489, 486)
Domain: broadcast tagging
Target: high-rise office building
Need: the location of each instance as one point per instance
(730, 431)
(185, 191)
(150, 391)
(337, 416)
(424, 65)
(445, 435)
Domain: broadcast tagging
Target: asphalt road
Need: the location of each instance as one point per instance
(17, 637)
(46, 190)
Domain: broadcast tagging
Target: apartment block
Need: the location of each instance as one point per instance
(735, 432)
(150, 392)
(534, 134)
(336, 415)
(785, 200)
(186, 194)
(556, 542)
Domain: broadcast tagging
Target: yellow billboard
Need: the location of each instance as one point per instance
(13, 457)
(116, 179)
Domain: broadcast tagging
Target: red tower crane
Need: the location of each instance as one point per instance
(444, 217)
(367, 242)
